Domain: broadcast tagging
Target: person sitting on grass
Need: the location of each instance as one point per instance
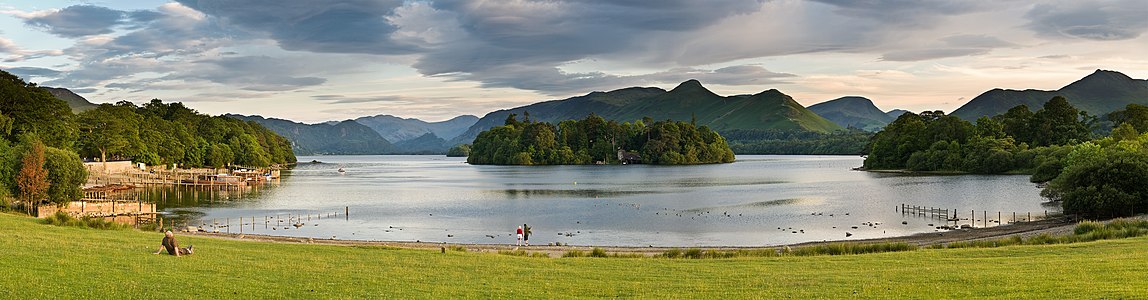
(171, 247)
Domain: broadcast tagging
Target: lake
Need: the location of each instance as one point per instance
(756, 201)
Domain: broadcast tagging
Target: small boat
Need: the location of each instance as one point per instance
(341, 171)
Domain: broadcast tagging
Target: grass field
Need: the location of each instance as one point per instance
(44, 261)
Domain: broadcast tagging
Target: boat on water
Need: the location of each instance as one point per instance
(341, 171)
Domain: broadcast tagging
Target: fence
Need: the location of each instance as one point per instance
(952, 215)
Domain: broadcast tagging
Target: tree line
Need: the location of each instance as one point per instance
(1091, 176)
(596, 140)
(798, 142)
(42, 141)
(158, 133)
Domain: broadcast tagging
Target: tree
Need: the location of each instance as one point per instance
(5, 124)
(1134, 115)
(32, 180)
(1015, 123)
(33, 110)
(110, 129)
(461, 150)
(66, 173)
(1059, 123)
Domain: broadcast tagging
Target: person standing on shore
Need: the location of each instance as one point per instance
(519, 242)
(525, 235)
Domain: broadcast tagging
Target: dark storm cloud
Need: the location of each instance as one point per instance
(554, 32)
(354, 26)
(1092, 20)
(252, 73)
(85, 20)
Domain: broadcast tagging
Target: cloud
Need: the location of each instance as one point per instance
(734, 75)
(353, 26)
(19, 54)
(907, 12)
(976, 41)
(29, 72)
(1091, 20)
(928, 54)
(85, 20)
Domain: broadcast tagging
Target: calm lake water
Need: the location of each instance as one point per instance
(758, 200)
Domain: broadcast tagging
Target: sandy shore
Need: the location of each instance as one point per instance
(1050, 226)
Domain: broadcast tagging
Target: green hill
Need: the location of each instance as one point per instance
(852, 111)
(347, 137)
(1098, 93)
(894, 114)
(688, 101)
(76, 102)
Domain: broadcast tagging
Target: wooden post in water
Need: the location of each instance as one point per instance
(347, 213)
(986, 219)
(973, 218)
(998, 218)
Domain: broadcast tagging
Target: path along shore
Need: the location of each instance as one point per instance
(1058, 226)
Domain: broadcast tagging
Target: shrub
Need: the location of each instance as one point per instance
(574, 253)
(598, 252)
(63, 219)
(693, 253)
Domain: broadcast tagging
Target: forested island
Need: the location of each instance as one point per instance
(594, 140)
(1092, 176)
(42, 141)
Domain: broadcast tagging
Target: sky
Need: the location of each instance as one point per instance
(321, 60)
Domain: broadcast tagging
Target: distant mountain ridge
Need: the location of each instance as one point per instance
(396, 129)
(347, 137)
(853, 111)
(1098, 93)
(76, 102)
(688, 101)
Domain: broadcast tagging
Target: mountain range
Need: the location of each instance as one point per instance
(854, 111)
(396, 129)
(347, 137)
(690, 100)
(1098, 93)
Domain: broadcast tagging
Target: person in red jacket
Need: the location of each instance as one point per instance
(519, 242)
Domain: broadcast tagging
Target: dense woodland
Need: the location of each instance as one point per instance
(160, 133)
(42, 141)
(794, 142)
(594, 139)
(1056, 144)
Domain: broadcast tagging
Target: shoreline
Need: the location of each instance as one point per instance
(1056, 226)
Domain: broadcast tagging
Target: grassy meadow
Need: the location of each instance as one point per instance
(45, 261)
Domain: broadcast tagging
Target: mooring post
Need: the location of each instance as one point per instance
(347, 212)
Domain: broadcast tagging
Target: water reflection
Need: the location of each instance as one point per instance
(758, 200)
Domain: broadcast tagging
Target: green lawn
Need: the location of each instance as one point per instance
(44, 261)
